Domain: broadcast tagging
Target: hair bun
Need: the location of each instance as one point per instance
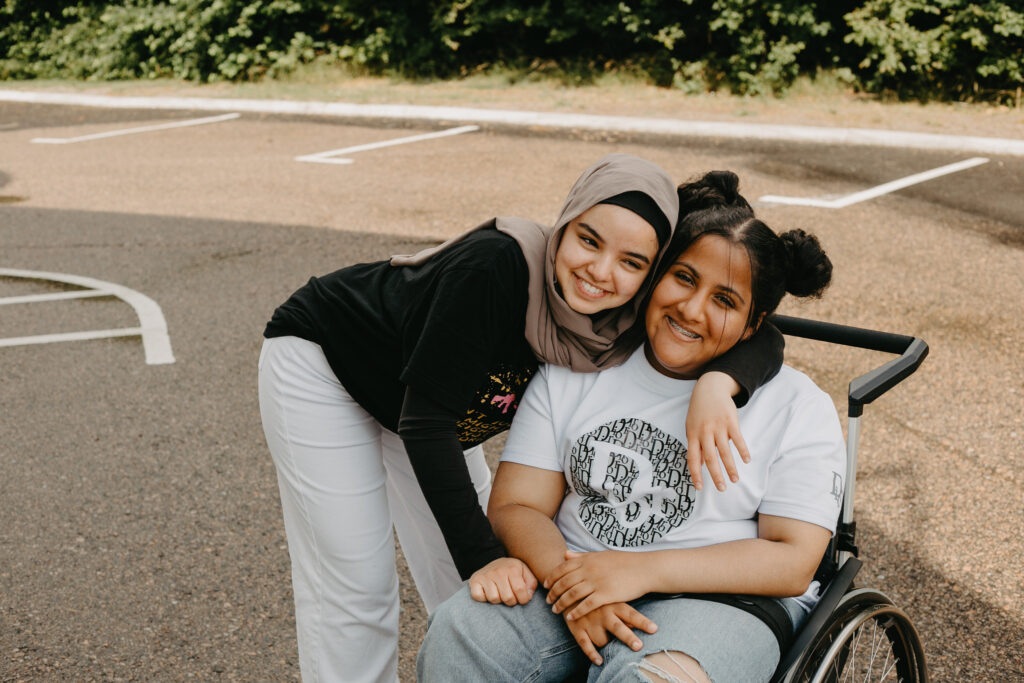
(809, 269)
(714, 189)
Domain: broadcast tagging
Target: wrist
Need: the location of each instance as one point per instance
(641, 570)
(662, 575)
(719, 382)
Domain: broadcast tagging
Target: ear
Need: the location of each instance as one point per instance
(752, 328)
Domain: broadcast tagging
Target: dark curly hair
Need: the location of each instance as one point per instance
(792, 262)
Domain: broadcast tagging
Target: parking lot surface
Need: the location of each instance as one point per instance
(140, 527)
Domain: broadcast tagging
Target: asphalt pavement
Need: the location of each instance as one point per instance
(140, 531)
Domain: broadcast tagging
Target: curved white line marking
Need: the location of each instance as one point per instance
(152, 326)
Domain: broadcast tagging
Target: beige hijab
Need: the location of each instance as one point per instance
(556, 333)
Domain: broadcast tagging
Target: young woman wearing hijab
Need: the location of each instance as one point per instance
(373, 380)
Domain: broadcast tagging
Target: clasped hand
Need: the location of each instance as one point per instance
(586, 581)
(505, 580)
(595, 629)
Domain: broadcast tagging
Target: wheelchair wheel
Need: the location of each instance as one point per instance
(866, 638)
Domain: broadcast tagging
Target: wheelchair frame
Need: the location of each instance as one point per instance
(845, 620)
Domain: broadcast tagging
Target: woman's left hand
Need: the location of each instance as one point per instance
(505, 580)
(593, 580)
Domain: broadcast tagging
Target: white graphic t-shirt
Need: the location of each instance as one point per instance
(619, 436)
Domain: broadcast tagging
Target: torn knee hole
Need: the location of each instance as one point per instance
(671, 667)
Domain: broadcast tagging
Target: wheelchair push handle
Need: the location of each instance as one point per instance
(869, 386)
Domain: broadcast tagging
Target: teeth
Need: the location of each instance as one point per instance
(589, 288)
(686, 333)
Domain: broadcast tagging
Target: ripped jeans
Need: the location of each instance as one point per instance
(473, 641)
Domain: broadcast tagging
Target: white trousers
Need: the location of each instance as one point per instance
(344, 481)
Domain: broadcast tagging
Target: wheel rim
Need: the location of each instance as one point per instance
(873, 647)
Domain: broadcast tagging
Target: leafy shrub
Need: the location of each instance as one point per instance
(924, 48)
(939, 47)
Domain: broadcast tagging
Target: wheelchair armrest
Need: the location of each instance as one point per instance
(834, 592)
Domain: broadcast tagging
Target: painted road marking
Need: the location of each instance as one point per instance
(533, 119)
(152, 326)
(133, 131)
(329, 157)
(54, 296)
(878, 191)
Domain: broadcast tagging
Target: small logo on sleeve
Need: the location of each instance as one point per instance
(837, 487)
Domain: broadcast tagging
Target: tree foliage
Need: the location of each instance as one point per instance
(913, 48)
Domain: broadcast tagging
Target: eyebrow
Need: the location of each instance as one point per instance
(696, 273)
(597, 236)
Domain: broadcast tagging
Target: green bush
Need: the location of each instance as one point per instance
(939, 48)
(914, 48)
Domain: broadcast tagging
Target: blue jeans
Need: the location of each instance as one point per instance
(472, 641)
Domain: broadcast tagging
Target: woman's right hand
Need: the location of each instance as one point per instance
(711, 422)
(618, 619)
(504, 580)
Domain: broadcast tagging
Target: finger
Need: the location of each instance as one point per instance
(508, 596)
(521, 589)
(491, 590)
(560, 571)
(741, 445)
(522, 594)
(620, 630)
(724, 450)
(636, 620)
(712, 463)
(529, 579)
(586, 606)
(476, 591)
(559, 586)
(695, 462)
(571, 597)
(583, 640)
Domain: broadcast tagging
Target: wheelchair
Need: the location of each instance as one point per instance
(854, 634)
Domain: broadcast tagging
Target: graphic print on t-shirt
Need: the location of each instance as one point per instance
(633, 481)
(495, 404)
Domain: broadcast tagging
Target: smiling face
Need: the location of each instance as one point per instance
(700, 307)
(603, 258)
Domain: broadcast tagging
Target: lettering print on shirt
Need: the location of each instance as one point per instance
(633, 481)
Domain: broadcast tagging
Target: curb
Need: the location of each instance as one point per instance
(543, 120)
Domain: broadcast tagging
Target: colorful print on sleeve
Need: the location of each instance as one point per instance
(495, 404)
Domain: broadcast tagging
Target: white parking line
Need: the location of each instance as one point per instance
(141, 129)
(327, 157)
(55, 296)
(877, 191)
(71, 336)
(152, 326)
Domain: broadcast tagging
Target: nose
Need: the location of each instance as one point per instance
(600, 268)
(692, 306)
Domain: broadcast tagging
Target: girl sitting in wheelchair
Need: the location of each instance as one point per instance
(644, 576)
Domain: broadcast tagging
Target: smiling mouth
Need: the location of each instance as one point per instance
(588, 290)
(680, 330)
